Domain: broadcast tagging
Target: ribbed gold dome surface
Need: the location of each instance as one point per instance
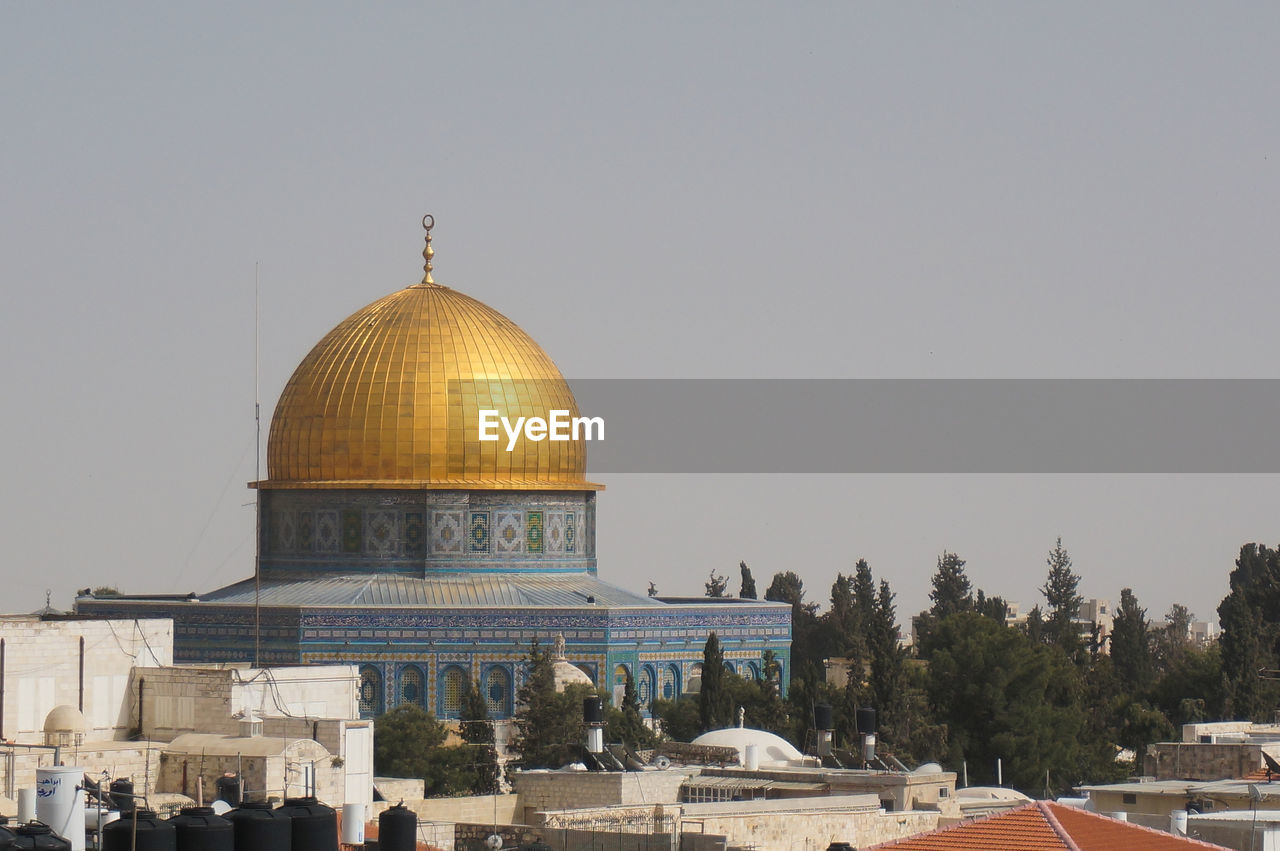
(391, 398)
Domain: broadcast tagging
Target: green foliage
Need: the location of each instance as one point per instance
(476, 730)
(403, 741)
(842, 627)
(807, 651)
(714, 702)
(1131, 643)
(681, 718)
(748, 589)
(1001, 696)
(952, 592)
(549, 726)
(1061, 593)
(1250, 618)
(624, 724)
(716, 585)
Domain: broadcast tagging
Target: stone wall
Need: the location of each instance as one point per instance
(781, 831)
(471, 837)
(137, 761)
(564, 790)
(1183, 761)
(263, 775)
(177, 700)
(42, 670)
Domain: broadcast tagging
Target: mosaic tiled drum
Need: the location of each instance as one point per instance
(392, 538)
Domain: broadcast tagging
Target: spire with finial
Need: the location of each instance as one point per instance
(428, 222)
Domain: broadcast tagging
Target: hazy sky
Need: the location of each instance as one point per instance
(650, 190)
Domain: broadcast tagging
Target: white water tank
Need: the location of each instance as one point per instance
(26, 805)
(1178, 822)
(353, 824)
(751, 757)
(60, 802)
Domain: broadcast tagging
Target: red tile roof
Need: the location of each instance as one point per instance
(1046, 826)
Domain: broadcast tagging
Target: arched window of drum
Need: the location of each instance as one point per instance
(670, 682)
(693, 685)
(751, 671)
(411, 690)
(497, 692)
(644, 688)
(370, 691)
(620, 675)
(453, 685)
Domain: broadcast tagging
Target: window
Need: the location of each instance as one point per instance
(644, 688)
(497, 692)
(670, 682)
(453, 685)
(370, 692)
(1129, 798)
(411, 690)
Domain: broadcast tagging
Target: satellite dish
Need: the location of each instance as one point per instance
(1273, 767)
(928, 768)
(493, 841)
(221, 807)
(661, 762)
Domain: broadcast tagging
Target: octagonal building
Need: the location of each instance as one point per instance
(391, 537)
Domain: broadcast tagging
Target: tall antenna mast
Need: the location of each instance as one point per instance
(257, 491)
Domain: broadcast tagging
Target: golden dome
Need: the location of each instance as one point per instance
(391, 399)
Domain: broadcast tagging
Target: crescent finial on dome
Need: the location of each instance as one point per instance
(428, 222)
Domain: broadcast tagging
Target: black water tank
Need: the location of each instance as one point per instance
(592, 710)
(260, 827)
(202, 829)
(315, 826)
(122, 795)
(229, 788)
(39, 837)
(7, 836)
(398, 829)
(822, 717)
(154, 833)
(866, 719)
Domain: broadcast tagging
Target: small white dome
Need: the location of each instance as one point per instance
(65, 719)
(772, 749)
(568, 674)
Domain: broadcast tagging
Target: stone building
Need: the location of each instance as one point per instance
(393, 538)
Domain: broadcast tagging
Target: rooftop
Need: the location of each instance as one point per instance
(1046, 826)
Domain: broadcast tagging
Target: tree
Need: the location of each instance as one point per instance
(864, 590)
(716, 585)
(403, 741)
(679, 717)
(806, 650)
(991, 607)
(748, 589)
(843, 626)
(625, 724)
(952, 592)
(1063, 600)
(1131, 643)
(1001, 696)
(714, 707)
(549, 726)
(1250, 619)
(476, 730)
